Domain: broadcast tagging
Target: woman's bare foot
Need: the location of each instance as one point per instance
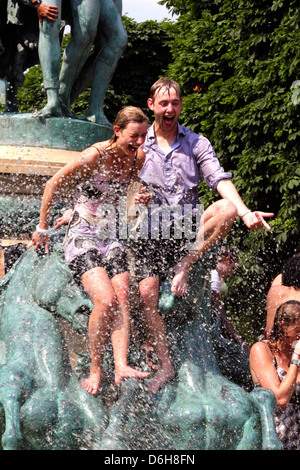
(91, 385)
(126, 372)
(164, 374)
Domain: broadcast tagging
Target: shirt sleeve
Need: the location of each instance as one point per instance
(209, 166)
(215, 281)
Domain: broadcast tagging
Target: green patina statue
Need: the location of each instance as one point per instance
(98, 39)
(42, 403)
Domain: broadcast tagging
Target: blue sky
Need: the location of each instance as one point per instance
(143, 10)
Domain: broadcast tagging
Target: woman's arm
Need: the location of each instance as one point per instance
(66, 177)
(264, 372)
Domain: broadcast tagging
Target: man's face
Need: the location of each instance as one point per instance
(166, 106)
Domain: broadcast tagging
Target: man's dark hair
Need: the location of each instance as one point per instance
(166, 84)
(291, 272)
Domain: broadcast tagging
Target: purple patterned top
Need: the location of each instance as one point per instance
(175, 177)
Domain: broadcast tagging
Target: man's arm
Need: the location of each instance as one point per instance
(253, 220)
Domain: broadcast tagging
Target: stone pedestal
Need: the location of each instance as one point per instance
(33, 149)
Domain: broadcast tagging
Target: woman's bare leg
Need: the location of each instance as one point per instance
(121, 331)
(100, 289)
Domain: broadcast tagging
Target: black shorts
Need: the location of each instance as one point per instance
(114, 263)
(157, 257)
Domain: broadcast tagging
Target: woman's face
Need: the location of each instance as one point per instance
(292, 332)
(131, 137)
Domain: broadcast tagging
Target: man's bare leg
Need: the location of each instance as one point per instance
(215, 223)
(149, 289)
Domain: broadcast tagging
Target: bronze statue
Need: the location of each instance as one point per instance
(96, 23)
(46, 407)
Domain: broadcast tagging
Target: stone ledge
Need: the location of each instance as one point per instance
(24, 129)
(39, 161)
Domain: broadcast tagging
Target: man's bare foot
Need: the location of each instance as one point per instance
(164, 374)
(127, 372)
(179, 281)
(91, 385)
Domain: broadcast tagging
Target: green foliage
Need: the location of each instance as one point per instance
(238, 64)
(31, 97)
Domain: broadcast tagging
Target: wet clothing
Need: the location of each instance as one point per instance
(287, 421)
(174, 178)
(92, 235)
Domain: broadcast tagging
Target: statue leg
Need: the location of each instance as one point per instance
(49, 55)
(12, 386)
(114, 33)
(85, 22)
(264, 401)
(215, 223)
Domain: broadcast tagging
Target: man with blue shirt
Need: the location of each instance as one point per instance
(177, 160)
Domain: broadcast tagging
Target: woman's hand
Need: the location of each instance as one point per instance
(64, 219)
(297, 347)
(38, 240)
(142, 197)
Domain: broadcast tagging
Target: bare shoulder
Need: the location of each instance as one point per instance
(261, 349)
(94, 152)
(277, 281)
(140, 158)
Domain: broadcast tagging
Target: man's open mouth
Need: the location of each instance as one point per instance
(168, 120)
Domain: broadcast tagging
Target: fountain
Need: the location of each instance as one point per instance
(43, 324)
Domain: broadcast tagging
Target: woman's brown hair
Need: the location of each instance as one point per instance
(126, 116)
(287, 314)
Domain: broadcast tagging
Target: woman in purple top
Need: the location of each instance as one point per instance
(102, 173)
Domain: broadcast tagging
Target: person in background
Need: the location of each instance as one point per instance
(286, 286)
(274, 364)
(227, 263)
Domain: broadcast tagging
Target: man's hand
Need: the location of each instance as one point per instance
(46, 11)
(255, 220)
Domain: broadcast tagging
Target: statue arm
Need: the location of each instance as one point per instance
(119, 6)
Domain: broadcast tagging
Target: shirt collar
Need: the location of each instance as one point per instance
(151, 134)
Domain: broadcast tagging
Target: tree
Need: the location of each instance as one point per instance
(238, 65)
